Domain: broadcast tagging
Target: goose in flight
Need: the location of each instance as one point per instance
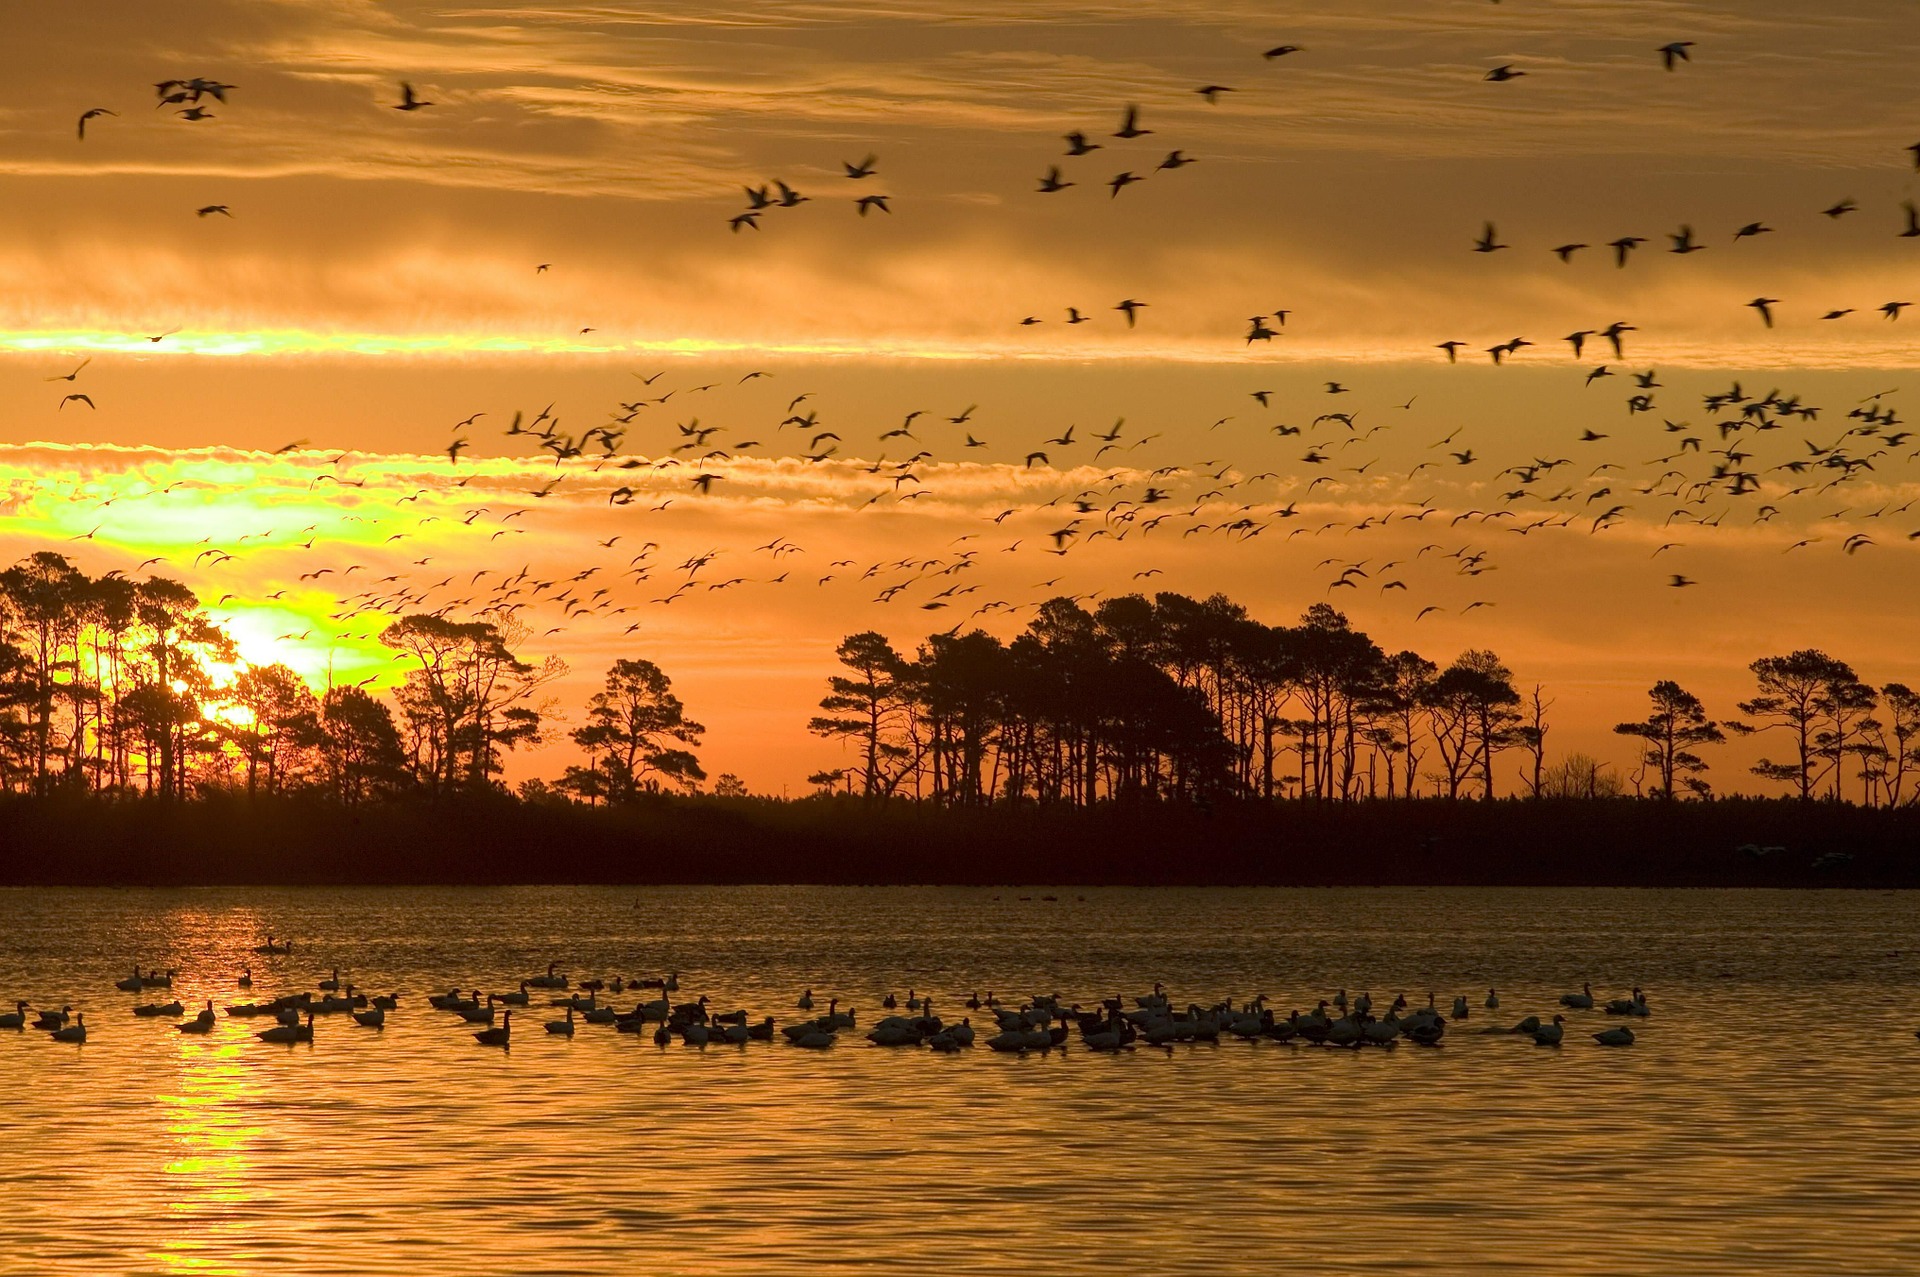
(863, 169)
(409, 102)
(1674, 52)
(1130, 126)
(93, 114)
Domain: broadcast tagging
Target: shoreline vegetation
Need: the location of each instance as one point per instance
(1137, 741)
(491, 839)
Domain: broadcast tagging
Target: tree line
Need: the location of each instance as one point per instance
(119, 687)
(116, 687)
(1194, 700)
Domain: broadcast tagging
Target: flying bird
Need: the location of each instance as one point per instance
(93, 114)
(1130, 126)
(408, 102)
(1675, 52)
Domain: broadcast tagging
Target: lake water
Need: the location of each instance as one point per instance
(1767, 1120)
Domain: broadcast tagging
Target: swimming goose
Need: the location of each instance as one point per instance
(246, 978)
(332, 983)
(202, 1023)
(386, 1002)
(132, 984)
(1621, 1036)
(1493, 1000)
(160, 1008)
(480, 1014)
(498, 1035)
(51, 1020)
(1381, 1032)
(75, 1032)
(1550, 1034)
(1529, 1025)
(1635, 1005)
(1460, 1007)
(269, 949)
(563, 1028)
(806, 1001)
(550, 980)
(1582, 1000)
(514, 999)
(288, 1033)
(17, 1019)
(373, 1019)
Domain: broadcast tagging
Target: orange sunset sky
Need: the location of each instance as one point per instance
(375, 279)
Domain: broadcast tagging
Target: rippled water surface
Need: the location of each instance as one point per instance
(1765, 1121)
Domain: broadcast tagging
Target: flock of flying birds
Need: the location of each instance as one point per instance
(1742, 460)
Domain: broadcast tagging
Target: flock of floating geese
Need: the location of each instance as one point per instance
(1041, 1023)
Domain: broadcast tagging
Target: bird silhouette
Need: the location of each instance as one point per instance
(92, 114)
